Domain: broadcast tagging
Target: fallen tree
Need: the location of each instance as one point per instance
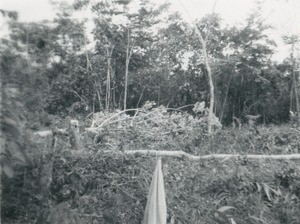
(182, 154)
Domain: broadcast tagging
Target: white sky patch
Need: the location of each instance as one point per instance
(283, 15)
(29, 10)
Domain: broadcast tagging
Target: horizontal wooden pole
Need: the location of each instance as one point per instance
(45, 133)
(181, 154)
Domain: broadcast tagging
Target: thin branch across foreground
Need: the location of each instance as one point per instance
(182, 154)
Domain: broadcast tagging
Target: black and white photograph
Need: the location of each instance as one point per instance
(150, 111)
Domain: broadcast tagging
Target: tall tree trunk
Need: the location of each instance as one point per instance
(128, 56)
(108, 78)
(126, 72)
(207, 65)
(210, 82)
(225, 99)
(107, 96)
(99, 91)
(295, 84)
(113, 90)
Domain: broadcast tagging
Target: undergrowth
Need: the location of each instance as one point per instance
(91, 186)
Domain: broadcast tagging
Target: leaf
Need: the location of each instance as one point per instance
(10, 126)
(232, 221)
(225, 208)
(19, 158)
(219, 217)
(199, 107)
(267, 191)
(7, 169)
(258, 187)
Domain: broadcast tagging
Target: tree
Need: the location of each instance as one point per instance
(293, 40)
(246, 58)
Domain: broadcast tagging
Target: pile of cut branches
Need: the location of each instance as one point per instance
(151, 128)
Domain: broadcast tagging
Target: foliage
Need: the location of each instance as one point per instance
(164, 128)
(113, 188)
(66, 71)
(101, 184)
(119, 185)
(258, 140)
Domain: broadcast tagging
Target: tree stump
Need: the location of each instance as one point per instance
(46, 164)
(75, 140)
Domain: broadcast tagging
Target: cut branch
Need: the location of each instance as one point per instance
(182, 154)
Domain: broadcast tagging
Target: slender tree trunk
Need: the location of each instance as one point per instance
(158, 96)
(210, 82)
(128, 56)
(107, 96)
(126, 71)
(114, 88)
(225, 99)
(209, 73)
(98, 91)
(291, 96)
(108, 78)
(296, 97)
(295, 84)
(137, 105)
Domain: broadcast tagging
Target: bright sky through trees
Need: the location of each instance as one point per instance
(283, 15)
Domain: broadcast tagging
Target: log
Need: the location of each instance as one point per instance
(182, 154)
(177, 154)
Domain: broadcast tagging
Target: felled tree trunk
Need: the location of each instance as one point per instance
(182, 154)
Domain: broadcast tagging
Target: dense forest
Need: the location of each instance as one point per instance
(134, 75)
(147, 54)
